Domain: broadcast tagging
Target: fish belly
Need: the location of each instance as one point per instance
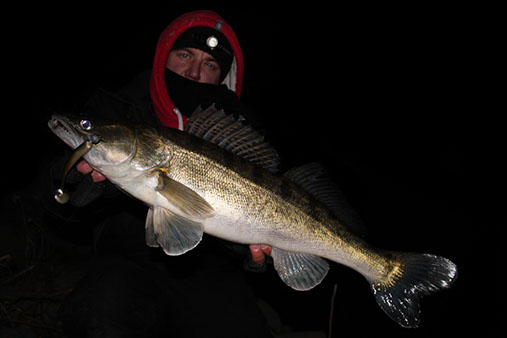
(254, 231)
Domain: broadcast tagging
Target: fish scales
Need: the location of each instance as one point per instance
(265, 208)
(192, 186)
(270, 204)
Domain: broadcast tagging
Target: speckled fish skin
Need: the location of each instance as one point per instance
(244, 203)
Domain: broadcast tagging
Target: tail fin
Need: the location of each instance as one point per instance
(420, 275)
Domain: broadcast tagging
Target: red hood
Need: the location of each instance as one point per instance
(162, 103)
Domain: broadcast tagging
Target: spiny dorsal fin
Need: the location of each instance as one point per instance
(231, 134)
(313, 178)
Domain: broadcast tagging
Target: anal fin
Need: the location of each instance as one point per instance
(174, 233)
(299, 271)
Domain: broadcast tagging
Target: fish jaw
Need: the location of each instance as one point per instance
(114, 144)
(64, 129)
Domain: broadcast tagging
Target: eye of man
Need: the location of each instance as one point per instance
(212, 66)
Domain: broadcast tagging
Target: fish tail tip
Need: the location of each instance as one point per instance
(418, 276)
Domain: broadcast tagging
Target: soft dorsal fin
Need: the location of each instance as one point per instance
(224, 130)
(313, 178)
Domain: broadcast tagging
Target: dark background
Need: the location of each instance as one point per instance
(386, 98)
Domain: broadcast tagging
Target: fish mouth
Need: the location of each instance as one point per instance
(65, 130)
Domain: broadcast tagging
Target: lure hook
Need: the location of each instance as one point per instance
(61, 196)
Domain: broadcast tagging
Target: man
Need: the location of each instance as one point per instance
(195, 57)
(132, 290)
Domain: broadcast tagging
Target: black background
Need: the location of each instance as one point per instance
(386, 98)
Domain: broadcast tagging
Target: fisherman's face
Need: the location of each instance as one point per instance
(194, 64)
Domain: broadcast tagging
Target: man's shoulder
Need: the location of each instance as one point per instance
(129, 103)
(136, 89)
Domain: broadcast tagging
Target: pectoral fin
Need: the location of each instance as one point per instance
(182, 197)
(299, 271)
(174, 233)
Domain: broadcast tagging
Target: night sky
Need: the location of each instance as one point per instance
(382, 98)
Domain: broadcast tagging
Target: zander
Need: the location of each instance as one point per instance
(219, 177)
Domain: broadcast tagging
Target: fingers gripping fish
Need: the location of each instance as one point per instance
(219, 177)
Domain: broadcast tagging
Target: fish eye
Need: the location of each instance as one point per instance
(85, 124)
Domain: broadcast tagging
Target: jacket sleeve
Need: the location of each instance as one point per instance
(108, 106)
(131, 103)
(71, 217)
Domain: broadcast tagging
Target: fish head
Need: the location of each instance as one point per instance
(113, 143)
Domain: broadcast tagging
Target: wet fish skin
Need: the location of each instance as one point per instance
(194, 186)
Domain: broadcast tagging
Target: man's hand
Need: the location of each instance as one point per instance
(84, 168)
(259, 252)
